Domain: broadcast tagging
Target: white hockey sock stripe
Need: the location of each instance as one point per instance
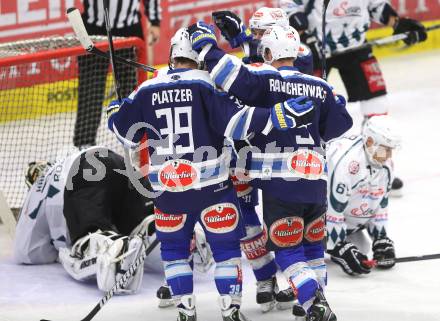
(179, 268)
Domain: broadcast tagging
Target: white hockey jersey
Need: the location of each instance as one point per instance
(357, 192)
(41, 228)
(346, 20)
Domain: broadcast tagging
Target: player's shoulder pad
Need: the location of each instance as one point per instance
(259, 67)
(164, 79)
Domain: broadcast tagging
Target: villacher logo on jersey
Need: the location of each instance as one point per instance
(178, 175)
(168, 222)
(287, 231)
(306, 164)
(315, 231)
(220, 218)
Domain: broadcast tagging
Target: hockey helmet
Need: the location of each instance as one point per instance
(379, 130)
(34, 170)
(181, 46)
(282, 43)
(266, 17)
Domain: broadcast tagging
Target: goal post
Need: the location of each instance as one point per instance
(40, 93)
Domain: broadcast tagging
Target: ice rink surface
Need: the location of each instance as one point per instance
(408, 292)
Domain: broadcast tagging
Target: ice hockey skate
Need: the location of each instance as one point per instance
(230, 312)
(164, 296)
(320, 310)
(266, 291)
(187, 308)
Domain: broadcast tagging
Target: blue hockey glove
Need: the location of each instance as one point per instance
(112, 109)
(340, 101)
(232, 28)
(201, 34)
(292, 113)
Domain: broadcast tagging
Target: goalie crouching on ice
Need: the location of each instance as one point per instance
(84, 212)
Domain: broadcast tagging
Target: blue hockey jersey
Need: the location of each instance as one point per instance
(290, 167)
(186, 120)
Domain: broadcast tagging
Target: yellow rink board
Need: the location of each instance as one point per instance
(58, 97)
(43, 99)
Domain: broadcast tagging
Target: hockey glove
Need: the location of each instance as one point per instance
(201, 34)
(35, 169)
(299, 21)
(232, 28)
(340, 101)
(292, 113)
(417, 32)
(349, 258)
(384, 254)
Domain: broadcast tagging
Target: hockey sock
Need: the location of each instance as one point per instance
(299, 275)
(262, 261)
(179, 276)
(314, 253)
(228, 279)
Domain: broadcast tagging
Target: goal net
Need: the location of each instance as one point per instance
(52, 98)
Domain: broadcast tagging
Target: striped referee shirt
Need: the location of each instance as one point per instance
(124, 15)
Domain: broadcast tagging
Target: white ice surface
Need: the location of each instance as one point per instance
(409, 292)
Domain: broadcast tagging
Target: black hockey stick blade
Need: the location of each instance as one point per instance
(77, 24)
(120, 283)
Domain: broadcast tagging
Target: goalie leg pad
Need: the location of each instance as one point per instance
(80, 261)
(254, 247)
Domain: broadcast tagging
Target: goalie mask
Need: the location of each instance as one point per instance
(181, 47)
(378, 130)
(34, 170)
(280, 43)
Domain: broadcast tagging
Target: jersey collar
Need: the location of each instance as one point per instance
(173, 71)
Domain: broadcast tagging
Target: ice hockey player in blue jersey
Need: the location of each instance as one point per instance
(82, 211)
(290, 169)
(186, 120)
(238, 34)
(263, 264)
(360, 177)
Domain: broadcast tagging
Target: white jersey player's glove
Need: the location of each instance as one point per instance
(384, 254)
(350, 259)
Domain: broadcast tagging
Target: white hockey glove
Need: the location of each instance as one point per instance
(202, 255)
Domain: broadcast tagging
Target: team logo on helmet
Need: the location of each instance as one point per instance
(178, 175)
(220, 218)
(353, 167)
(306, 164)
(287, 231)
(315, 231)
(168, 222)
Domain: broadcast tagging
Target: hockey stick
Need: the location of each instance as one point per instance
(323, 43)
(111, 50)
(120, 283)
(77, 23)
(380, 41)
(373, 263)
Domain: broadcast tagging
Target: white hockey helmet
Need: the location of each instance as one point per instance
(379, 129)
(181, 46)
(282, 43)
(266, 17)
